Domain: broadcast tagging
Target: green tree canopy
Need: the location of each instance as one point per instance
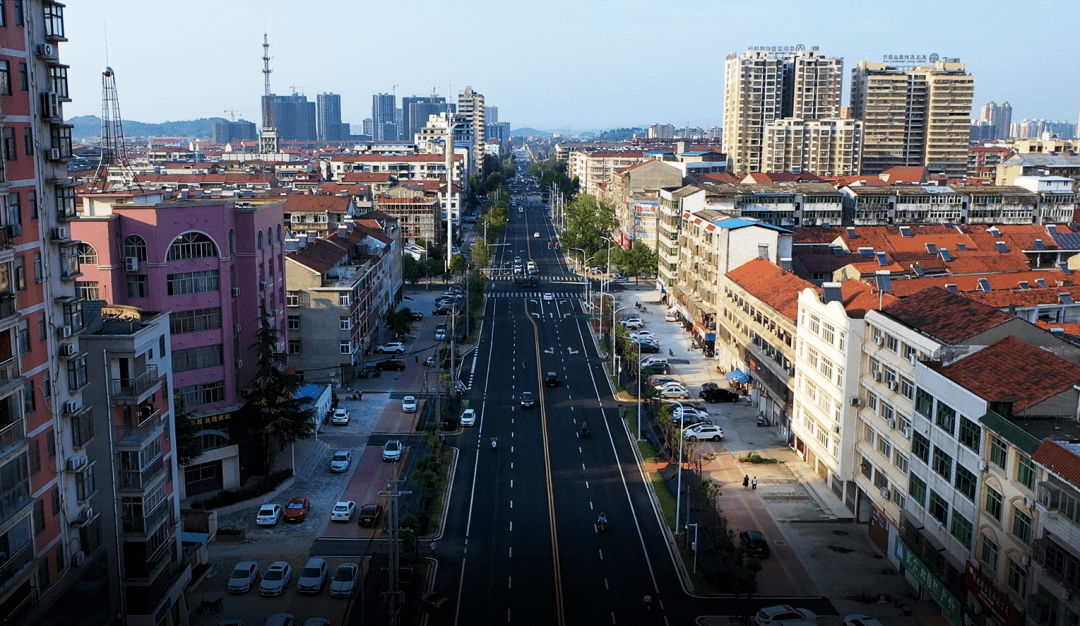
(457, 264)
(640, 260)
(588, 222)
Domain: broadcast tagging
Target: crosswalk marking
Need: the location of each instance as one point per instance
(533, 294)
(561, 278)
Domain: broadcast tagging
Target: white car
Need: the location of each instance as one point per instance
(408, 404)
(858, 619)
(673, 390)
(633, 323)
(340, 461)
(269, 514)
(548, 297)
(781, 613)
(642, 334)
(343, 584)
(312, 577)
(391, 450)
(243, 576)
(343, 511)
(704, 431)
(659, 380)
(395, 347)
(340, 418)
(275, 579)
(468, 417)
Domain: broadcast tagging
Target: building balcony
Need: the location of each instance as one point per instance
(141, 480)
(11, 568)
(134, 390)
(143, 525)
(138, 570)
(135, 436)
(8, 308)
(10, 374)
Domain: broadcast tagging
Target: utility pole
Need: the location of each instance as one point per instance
(393, 596)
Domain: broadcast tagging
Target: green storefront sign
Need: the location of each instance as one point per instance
(934, 588)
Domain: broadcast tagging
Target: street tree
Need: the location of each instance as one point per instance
(457, 264)
(188, 442)
(414, 270)
(639, 261)
(588, 223)
(480, 254)
(273, 416)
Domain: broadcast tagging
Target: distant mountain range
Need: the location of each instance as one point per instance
(89, 127)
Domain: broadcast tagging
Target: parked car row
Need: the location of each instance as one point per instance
(278, 576)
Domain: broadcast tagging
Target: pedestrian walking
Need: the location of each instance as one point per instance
(432, 546)
(745, 481)
(416, 359)
(754, 483)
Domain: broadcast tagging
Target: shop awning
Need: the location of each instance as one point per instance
(738, 376)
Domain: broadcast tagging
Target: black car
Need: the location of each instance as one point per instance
(441, 310)
(551, 380)
(711, 392)
(527, 400)
(416, 315)
(649, 348)
(755, 543)
(367, 371)
(391, 364)
(656, 368)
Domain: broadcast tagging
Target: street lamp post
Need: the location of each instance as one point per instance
(613, 312)
(678, 482)
(602, 310)
(640, 358)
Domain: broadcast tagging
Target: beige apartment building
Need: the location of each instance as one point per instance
(914, 115)
(593, 168)
(830, 147)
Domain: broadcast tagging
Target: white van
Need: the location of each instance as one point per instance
(671, 316)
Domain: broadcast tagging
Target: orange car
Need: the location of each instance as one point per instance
(297, 509)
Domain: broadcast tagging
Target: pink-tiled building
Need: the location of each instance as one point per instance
(210, 264)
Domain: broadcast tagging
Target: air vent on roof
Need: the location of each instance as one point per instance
(882, 261)
(1039, 245)
(1041, 282)
(1065, 297)
(831, 292)
(1024, 284)
(952, 287)
(1064, 267)
(1052, 230)
(851, 232)
(905, 231)
(866, 252)
(884, 281)
(993, 230)
(931, 248)
(1001, 247)
(838, 251)
(1057, 331)
(945, 256)
(918, 270)
(785, 264)
(984, 284)
(961, 246)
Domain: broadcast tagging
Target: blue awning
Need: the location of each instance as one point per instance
(738, 376)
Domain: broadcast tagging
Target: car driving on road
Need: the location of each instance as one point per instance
(711, 392)
(527, 400)
(391, 450)
(340, 418)
(340, 461)
(343, 511)
(395, 347)
(408, 404)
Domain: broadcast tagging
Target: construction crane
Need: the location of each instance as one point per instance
(232, 114)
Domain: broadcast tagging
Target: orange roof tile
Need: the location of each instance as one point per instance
(1033, 375)
(858, 298)
(771, 285)
(940, 313)
(1060, 460)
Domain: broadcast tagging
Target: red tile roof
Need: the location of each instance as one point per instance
(969, 283)
(771, 285)
(717, 177)
(904, 174)
(858, 298)
(1036, 296)
(815, 234)
(1060, 460)
(365, 177)
(319, 255)
(319, 203)
(942, 314)
(1015, 372)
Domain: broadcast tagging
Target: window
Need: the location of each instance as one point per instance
(871, 436)
(29, 403)
(54, 21)
(294, 345)
(344, 299)
(828, 332)
(294, 322)
(1025, 472)
(5, 78)
(999, 451)
(917, 489)
(1017, 577)
(34, 451)
(939, 507)
(920, 447)
(892, 343)
(206, 393)
(871, 402)
(61, 139)
(946, 417)
(87, 290)
(19, 19)
(924, 402)
(942, 463)
(907, 388)
(344, 347)
(54, 494)
(260, 240)
(76, 373)
(87, 254)
(344, 323)
(988, 552)
(31, 199)
(9, 144)
(970, 433)
(197, 358)
(24, 336)
(191, 245)
(134, 246)
(58, 80)
(137, 286)
(961, 529)
(292, 299)
(42, 328)
(900, 461)
(28, 141)
(994, 502)
(194, 321)
(192, 282)
(1021, 526)
(763, 250)
(887, 412)
(966, 482)
(884, 447)
(84, 484)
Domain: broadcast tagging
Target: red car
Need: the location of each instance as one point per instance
(297, 509)
(369, 515)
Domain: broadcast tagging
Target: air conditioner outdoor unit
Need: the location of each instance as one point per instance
(50, 104)
(65, 331)
(54, 154)
(836, 427)
(891, 422)
(239, 363)
(68, 349)
(71, 407)
(86, 515)
(245, 392)
(905, 430)
(61, 233)
(1027, 503)
(76, 463)
(263, 285)
(235, 291)
(893, 385)
(45, 50)
(982, 465)
(877, 376)
(236, 328)
(912, 358)
(79, 557)
(885, 493)
(131, 263)
(879, 340)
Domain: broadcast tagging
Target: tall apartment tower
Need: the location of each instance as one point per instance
(384, 116)
(1004, 121)
(914, 115)
(470, 105)
(763, 85)
(328, 111)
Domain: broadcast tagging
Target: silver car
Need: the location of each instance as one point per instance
(340, 461)
(243, 576)
(312, 576)
(343, 584)
(275, 579)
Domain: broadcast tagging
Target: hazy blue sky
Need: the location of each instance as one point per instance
(577, 64)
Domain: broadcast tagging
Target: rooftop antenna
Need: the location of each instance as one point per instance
(434, 89)
(113, 149)
(268, 139)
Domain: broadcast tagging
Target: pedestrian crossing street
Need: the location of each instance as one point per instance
(535, 294)
(561, 278)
